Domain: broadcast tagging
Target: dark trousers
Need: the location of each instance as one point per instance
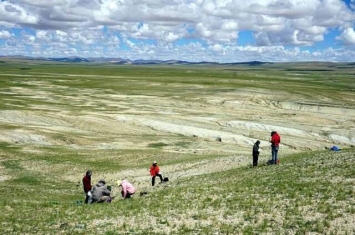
(255, 159)
(128, 195)
(153, 179)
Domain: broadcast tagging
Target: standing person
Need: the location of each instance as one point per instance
(101, 193)
(127, 189)
(275, 142)
(87, 187)
(256, 153)
(154, 172)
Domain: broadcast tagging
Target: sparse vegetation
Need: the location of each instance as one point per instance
(57, 121)
(294, 197)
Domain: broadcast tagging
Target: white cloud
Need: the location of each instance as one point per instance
(212, 32)
(165, 33)
(170, 37)
(215, 21)
(352, 4)
(92, 26)
(348, 36)
(4, 34)
(43, 3)
(130, 43)
(190, 52)
(44, 36)
(332, 13)
(16, 14)
(30, 38)
(288, 36)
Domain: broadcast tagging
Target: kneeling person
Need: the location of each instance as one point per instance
(100, 192)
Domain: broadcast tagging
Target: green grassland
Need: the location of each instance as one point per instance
(312, 81)
(308, 193)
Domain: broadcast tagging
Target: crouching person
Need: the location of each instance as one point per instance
(101, 193)
(127, 189)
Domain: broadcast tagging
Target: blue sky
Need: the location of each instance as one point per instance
(191, 30)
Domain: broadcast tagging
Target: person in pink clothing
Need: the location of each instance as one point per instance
(127, 189)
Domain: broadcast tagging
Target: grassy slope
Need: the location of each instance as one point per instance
(310, 192)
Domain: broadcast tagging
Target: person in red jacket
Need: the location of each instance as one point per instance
(87, 187)
(154, 172)
(275, 142)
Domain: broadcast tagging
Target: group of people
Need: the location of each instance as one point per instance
(275, 140)
(102, 193)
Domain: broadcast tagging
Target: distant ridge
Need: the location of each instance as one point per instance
(121, 61)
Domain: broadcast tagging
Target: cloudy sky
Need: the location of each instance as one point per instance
(191, 30)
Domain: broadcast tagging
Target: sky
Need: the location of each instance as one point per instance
(221, 31)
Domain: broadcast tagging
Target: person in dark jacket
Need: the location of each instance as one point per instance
(154, 172)
(101, 193)
(256, 153)
(87, 187)
(275, 142)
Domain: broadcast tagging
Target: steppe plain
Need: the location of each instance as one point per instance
(199, 122)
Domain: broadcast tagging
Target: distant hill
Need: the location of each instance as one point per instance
(134, 62)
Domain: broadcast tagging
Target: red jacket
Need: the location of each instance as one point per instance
(275, 140)
(154, 170)
(87, 183)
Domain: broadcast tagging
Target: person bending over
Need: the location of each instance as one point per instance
(127, 189)
(101, 193)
